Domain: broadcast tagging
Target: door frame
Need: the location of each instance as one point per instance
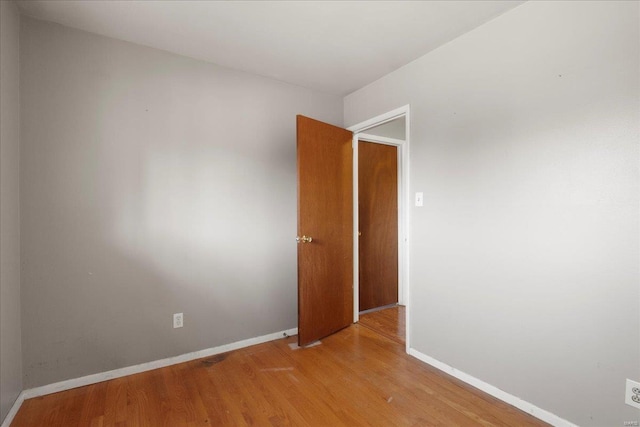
(404, 200)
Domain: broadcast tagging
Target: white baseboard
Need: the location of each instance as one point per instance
(512, 400)
(136, 369)
(14, 410)
(143, 367)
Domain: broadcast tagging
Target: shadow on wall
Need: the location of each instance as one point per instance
(151, 184)
(170, 232)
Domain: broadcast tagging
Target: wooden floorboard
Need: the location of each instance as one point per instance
(356, 377)
(389, 322)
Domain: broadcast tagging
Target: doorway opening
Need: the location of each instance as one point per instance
(387, 133)
(377, 225)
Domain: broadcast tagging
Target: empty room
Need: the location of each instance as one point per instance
(319, 213)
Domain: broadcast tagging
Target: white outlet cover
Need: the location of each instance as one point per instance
(632, 394)
(178, 320)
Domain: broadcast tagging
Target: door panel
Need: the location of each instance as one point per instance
(325, 213)
(378, 224)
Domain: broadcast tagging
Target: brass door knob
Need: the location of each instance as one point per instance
(304, 239)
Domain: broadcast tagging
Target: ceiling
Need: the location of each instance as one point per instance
(331, 46)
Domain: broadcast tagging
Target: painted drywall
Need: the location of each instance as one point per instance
(10, 330)
(525, 257)
(152, 184)
(393, 129)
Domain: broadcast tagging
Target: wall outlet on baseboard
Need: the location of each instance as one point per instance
(632, 394)
(178, 320)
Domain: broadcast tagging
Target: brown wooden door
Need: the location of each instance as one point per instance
(378, 224)
(325, 213)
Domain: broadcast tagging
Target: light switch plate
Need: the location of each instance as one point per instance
(419, 199)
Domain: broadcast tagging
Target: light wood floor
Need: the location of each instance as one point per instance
(356, 377)
(389, 322)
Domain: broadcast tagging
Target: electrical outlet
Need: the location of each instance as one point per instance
(178, 320)
(632, 394)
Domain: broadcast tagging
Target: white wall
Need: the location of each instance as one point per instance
(151, 184)
(394, 129)
(10, 333)
(525, 257)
